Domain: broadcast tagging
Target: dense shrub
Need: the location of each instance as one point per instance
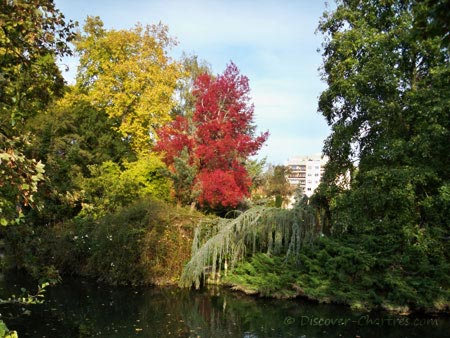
(146, 242)
(345, 271)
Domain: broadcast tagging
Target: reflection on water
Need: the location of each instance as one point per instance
(78, 308)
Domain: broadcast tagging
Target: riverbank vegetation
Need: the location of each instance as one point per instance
(383, 233)
(145, 243)
(144, 158)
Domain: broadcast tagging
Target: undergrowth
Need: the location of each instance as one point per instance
(343, 271)
(147, 242)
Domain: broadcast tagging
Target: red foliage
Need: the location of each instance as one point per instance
(174, 138)
(219, 187)
(219, 138)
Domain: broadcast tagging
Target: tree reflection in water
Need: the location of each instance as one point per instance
(78, 308)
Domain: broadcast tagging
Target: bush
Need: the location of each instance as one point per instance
(111, 187)
(345, 271)
(146, 242)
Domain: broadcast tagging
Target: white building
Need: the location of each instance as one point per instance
(306, 171)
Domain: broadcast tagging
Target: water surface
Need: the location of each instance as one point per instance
(79, 308)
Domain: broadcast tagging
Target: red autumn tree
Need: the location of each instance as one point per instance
(216, 140)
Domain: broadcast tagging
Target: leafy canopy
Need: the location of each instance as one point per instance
(110, 187)
(69, 138)
(386, 64)
(33, 34)
(387, 102)
(216, 140)
(129, 74)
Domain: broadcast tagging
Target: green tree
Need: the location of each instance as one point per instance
(278, 186)
(183, 178)
(129, 74)
(387, 99)
(110, 187)
(33, 34)
(69, 138)
(255, 169)
(20, 177)
(386, 64)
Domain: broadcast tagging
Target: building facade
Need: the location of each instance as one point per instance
(306, 172)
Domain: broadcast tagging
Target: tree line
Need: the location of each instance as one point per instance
(135, 123)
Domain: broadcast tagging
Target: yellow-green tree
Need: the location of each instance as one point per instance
(130, 75)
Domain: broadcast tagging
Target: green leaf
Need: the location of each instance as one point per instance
(3, 329)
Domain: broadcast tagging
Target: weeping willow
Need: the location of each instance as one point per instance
(220, 244)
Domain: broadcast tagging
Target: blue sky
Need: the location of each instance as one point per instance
(273, 43)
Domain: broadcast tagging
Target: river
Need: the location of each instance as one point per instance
(79, 308)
